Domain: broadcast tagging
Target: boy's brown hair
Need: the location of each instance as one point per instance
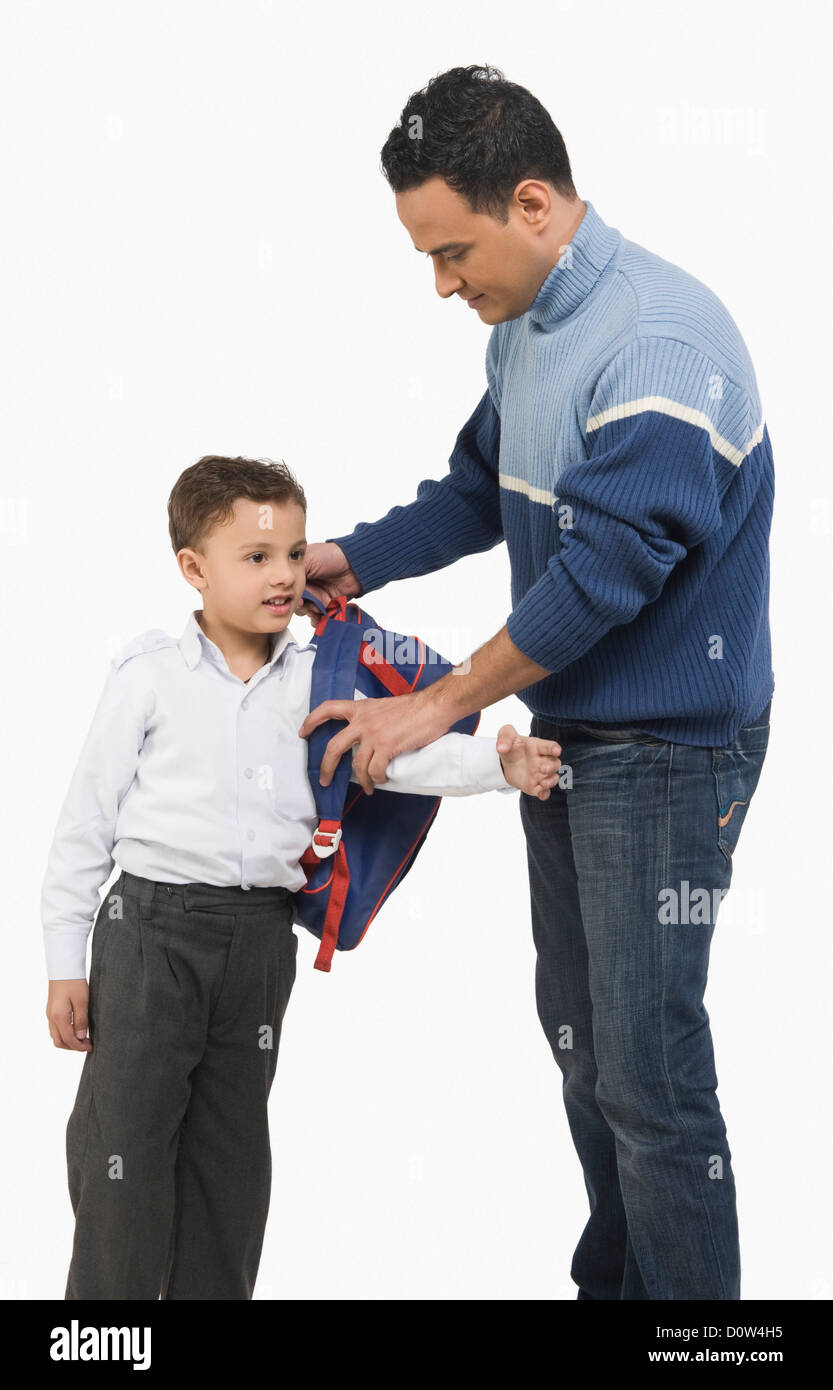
(204, 495)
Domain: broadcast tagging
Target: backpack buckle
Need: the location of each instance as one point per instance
(334, 836)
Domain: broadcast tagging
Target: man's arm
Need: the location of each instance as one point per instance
(648, 491)
(455, 516)
(80, 858)
(495, 670)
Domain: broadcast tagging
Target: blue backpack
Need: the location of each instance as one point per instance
(364, 845)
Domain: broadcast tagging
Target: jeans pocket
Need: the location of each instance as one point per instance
(608, 734)
(758, 725)
(736, 772)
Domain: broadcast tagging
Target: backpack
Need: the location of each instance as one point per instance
(364, 845)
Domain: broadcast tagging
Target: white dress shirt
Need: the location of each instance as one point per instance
(189, 774)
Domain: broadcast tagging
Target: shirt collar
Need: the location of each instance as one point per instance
(577, 269)
(194, 644)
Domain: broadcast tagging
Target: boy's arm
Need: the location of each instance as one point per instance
(454, 765)
(80, 857)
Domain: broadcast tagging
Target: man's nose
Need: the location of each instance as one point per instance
(447, 284)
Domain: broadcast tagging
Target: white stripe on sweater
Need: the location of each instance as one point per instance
(665, 406)
(535, 494)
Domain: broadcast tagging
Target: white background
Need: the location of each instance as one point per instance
(201, 255)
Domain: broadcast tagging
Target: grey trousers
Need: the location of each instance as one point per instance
(168, 1152)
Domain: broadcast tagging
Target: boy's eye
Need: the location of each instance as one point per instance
(297, 554)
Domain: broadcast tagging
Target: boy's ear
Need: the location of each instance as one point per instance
(306, 609)
(189, 564)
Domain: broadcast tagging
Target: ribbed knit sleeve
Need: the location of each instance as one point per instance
(647, 492)
(456, 515)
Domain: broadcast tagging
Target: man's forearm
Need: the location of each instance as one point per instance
(495, 670)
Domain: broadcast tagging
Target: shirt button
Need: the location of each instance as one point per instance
(251, 835)
(245, 704)
(249, 772)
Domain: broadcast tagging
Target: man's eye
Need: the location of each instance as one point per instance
(458, 257)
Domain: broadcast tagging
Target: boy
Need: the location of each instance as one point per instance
(193, 780)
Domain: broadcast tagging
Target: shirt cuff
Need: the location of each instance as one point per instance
(481, 764)
(66, 955)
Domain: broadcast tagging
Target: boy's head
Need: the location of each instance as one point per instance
(483, 186)
(238, 528)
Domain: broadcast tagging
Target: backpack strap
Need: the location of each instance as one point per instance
(387, 675)
(338, 641)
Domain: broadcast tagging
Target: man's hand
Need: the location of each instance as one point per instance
(530, 764)
(384, 727)
(67, 1013)
(328, 576)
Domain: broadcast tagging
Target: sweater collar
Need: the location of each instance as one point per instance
(194, 644)
(577, 269)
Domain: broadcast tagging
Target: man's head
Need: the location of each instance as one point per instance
(483, 185)
(238, 527)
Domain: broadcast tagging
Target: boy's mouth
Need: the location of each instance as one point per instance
(279, 604)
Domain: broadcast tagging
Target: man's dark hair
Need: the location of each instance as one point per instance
(204, 495)
(481, 134)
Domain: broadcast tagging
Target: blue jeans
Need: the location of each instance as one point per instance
(626, 868)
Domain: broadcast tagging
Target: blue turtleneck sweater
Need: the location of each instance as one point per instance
(620, 450)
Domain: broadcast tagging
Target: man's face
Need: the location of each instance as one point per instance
(256, 556)
(500, 266)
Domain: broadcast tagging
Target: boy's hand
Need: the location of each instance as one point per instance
(531, 764)
(66, 1010)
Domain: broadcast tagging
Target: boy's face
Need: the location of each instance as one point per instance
(256, 556)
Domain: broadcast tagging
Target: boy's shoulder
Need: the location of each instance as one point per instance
(153, 640)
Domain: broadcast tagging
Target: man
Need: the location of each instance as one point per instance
(620, 451)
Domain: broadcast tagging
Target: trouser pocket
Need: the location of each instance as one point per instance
(736, 770)
(606, 733)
